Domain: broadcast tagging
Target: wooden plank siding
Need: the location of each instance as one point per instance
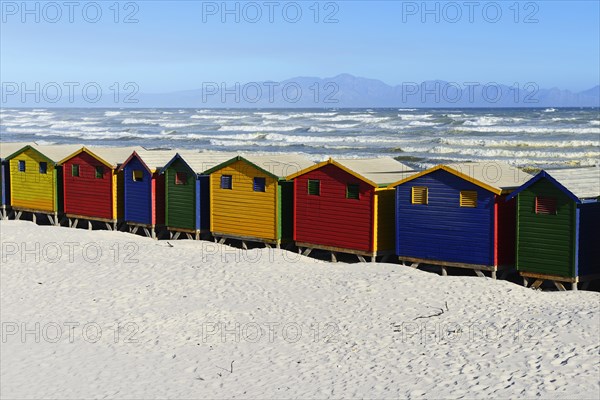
(31, 189)
(138, 195)
(87, 195)
(181, 205)
(385, 214)
(589, 250)
(331, 219)
(441, 230)
(545, 243)
(241, 211)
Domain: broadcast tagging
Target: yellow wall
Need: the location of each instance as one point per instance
(242, 211)
(30, 189)
(385, 230)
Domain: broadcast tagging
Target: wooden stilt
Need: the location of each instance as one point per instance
(18, 215)
(333, 258)
(574, 286)
(89, 225)
(222, 240)
(361, 258)
(34, 218)
(176, 235)
(108, 226)
(494, 274)
(146, 232)
(479, 273)
(537, 283)
(444, 271)
(559, 286)
(414, 265)
(189, 236)
(307, 251)
(525, 282)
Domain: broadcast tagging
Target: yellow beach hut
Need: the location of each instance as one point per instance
(6, 149)
(36, 180)
(251, 200)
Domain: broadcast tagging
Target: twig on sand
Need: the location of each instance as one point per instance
(230, 370)
(437, 314)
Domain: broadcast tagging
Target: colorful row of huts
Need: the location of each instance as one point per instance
(484, 216)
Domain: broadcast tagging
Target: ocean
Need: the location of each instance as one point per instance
(423, 137)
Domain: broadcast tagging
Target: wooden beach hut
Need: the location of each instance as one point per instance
(187, 192)
(558, 220)
(6, 149)
(251, 200)
(144, 190)
(456, 216)
(36, 180)
(93, 185)
(344, 205)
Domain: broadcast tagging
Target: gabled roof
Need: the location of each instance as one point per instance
(112, 157)
(497, 177)
(52, 152)
(153, 160)
(200, 162)
(278, 166)
(9, 148)
(374, 171)
(577, 183)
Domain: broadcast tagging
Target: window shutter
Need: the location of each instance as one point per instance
(545, 205)
(259, 184)
(352, 191)
(75, 170)
(226, 182)
(99, 172)
(419, 195)
(314, 187)
(138, 175)
(180, 178)
(21, 166)
(43, 167)
(468, 198)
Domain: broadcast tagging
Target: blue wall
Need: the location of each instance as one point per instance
(589, 249)
(203, 202)
(138, 195)
(5, 189)
(442, 230)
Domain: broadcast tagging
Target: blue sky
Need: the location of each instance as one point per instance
(180, 45)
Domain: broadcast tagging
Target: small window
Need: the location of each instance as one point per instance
(545, 205)
(352, 191)
(419, 195)
(138, 175)
(226, 182)
(314, 187)
(259, 184)
(468, 198)
(43, 167)
(99, 172)
(21, 166)
(180, 178)
(75, 170)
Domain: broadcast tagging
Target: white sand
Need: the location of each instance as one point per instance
(172, 293)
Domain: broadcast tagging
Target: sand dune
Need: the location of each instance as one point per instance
(200, 320)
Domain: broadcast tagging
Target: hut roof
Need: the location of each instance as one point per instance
(497, 177)
(54, 152)
(375, 171)
(201, 162)
(9, 148)
(154, 160)
(578, 183)
(279, 166)
(111, 156)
